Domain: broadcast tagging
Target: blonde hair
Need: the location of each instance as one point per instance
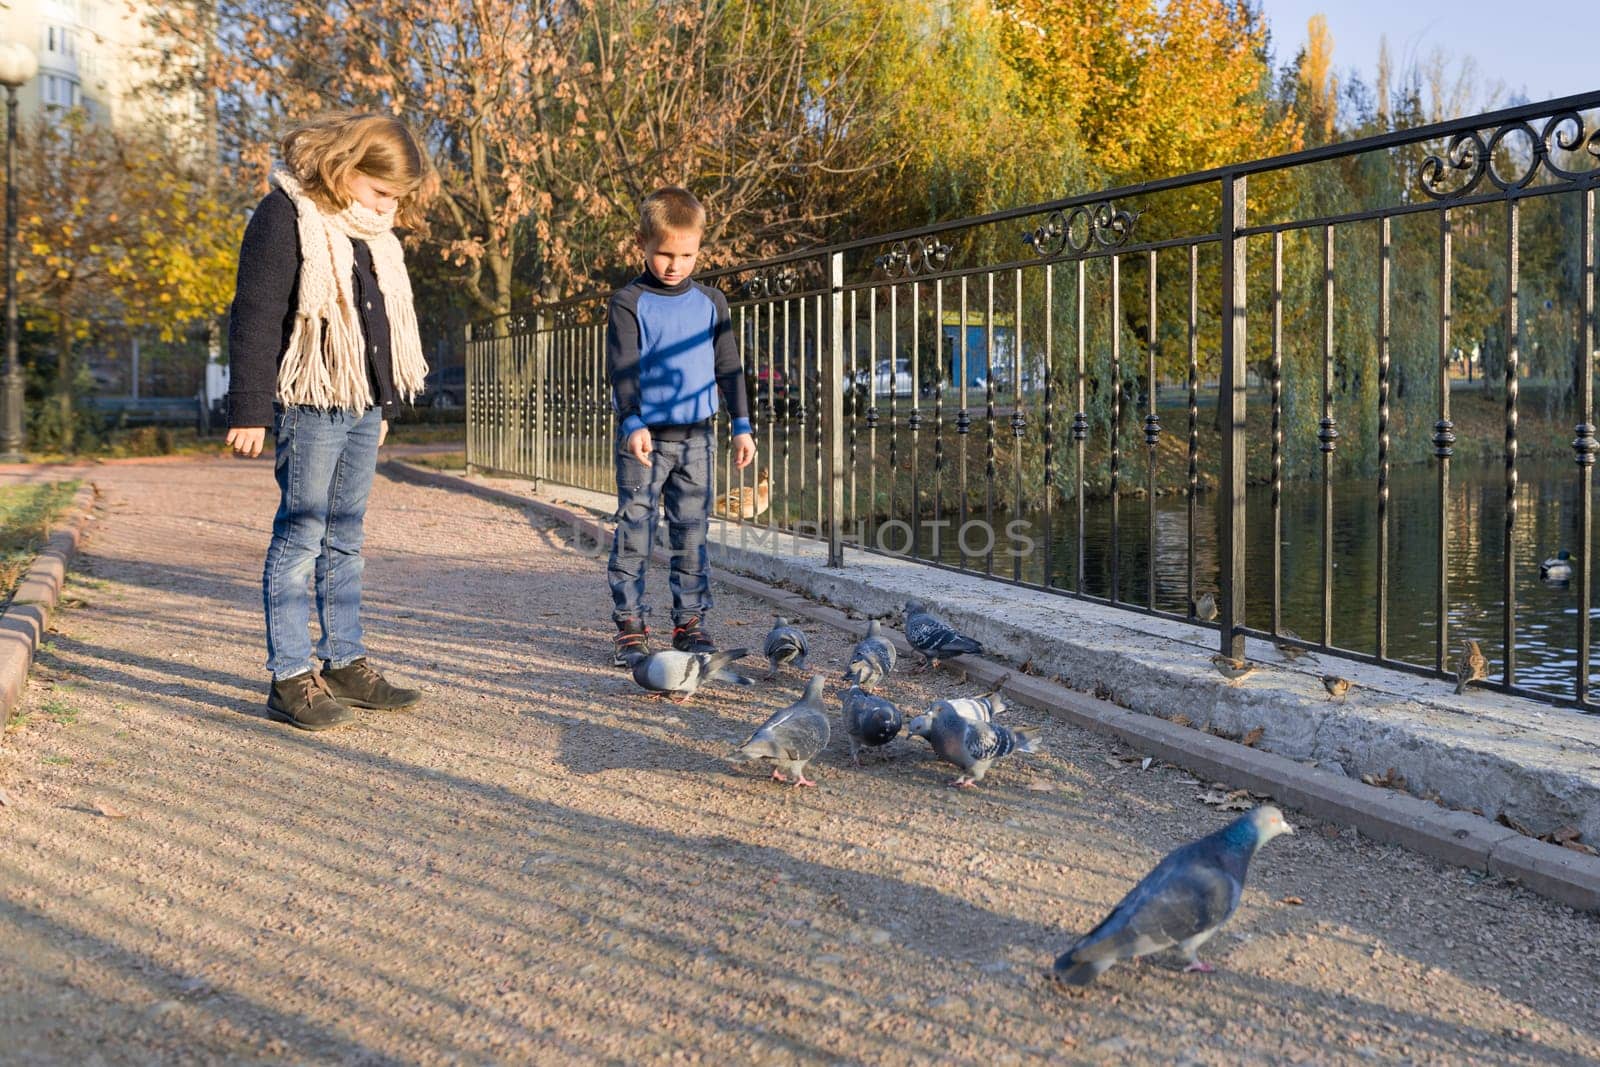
(669, 208)
(325, 152)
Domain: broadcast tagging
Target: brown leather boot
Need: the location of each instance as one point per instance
(305, 702)
(357, 685)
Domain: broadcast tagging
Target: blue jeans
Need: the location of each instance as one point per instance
(325, 463)
(679, 480)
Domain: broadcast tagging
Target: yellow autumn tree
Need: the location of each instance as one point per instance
(1153, 88)
(1319, 85)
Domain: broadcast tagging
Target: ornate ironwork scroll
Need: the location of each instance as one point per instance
(1470, 156)
(1087, 226)
(919, 255)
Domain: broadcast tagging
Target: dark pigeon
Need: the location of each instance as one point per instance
(785, 647)
(676, 675)
(872, 660)
(934, 638)
(1188, 896)
(791, 738)
(970, 745)
(869, 721)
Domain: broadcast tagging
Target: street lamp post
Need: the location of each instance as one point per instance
(17, 65)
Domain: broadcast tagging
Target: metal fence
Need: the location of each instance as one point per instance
(1232, 387)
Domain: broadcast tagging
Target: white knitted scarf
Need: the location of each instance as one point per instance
(325, 365)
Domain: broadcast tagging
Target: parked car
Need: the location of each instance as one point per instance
(882, 382)
(445, 387)
(770, 382)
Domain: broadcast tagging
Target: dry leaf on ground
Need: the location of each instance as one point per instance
(1250, 739)
(5, 799)
(1296, 901)
(1238, 800)
(109, 811)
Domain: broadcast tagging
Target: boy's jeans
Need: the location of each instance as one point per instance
(325, 462)
(680, 479)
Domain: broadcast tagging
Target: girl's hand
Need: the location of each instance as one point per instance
(246, 441)
(383, 432)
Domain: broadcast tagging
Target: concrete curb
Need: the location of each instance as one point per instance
(23, 623)
(1387, 815)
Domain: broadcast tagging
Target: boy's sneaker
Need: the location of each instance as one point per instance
(357, 685)
(305, 702)
(631, 643)
(690, 636)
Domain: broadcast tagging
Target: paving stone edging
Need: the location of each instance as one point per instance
(1383, 814)
(23, 623)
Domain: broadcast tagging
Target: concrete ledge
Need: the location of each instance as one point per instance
(25, 619)
(1389, 815)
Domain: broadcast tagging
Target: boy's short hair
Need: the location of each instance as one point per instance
(670, 208)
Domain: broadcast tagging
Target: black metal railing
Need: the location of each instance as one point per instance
(1076, 396)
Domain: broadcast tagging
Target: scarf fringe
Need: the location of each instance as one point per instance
(325, 365)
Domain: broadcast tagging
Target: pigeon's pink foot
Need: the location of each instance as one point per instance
(963, 783)
(803, 780)
(778, 776)
(1201, 966)
(678, 698)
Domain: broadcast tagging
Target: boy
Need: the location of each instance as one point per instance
(670, 350)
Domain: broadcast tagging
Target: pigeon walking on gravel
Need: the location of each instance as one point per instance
(791, 738)
(973, 709)
(868, 720)
(1188, 896)
(970, 745)
(872, 660)
(786, 647)
(676, 675)
(935, 638)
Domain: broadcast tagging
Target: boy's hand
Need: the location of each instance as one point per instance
(744, 450)
(640, 446)
(246, 441)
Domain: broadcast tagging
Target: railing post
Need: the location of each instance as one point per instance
(833, 385)
(1231, 407)
(474, 386)
(541, 427)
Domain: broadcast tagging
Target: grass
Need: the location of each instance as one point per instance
(18, 720)
(26, 514)
(60, 712)
(58, 761)
(442, 461)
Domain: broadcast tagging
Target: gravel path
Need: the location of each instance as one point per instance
(541, 865)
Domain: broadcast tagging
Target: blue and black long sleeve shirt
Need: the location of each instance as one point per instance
(670, 350)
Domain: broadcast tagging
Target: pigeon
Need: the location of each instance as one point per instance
(791, 738)
(970, 745)
(1335, 685)
(785, 647)
(872, 660)
(935, 638)
(1471, 667)
(1205, 609)
(1235, 670)
(677, 675)
(973, 709)
(868, 720)
(1188, 896)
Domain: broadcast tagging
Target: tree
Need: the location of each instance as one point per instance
(1319, 85)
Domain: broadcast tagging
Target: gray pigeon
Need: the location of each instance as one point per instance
(791, 738)
(933, 637)
(869, 720)
(872, 660)
(785, 647)
(970, 745)
(973, 709)
(1188, 896)
(677, 675)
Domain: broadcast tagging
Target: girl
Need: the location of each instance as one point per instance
(323, 343)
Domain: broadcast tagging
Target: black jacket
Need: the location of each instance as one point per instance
(262, 317)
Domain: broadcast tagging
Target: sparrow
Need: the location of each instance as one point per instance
(1235, 670)
(1336, 686)
(1471, 667)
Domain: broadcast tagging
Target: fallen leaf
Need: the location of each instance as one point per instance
(1145, 764)
(1507, 821)
(1180, 720)
(1238, 800)
(1579, 846)
(5, 799)
(1113, 761)
(1250, 739)
(1562, 834)
(1041, 787)
(1296, 901)
(108, 811)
